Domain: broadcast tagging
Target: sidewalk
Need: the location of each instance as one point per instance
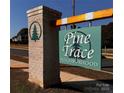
(18, 64)
(65, 76)
(70, 73)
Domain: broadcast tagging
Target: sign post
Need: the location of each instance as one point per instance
(81, 47)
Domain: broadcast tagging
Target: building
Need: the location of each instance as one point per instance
(21, 37)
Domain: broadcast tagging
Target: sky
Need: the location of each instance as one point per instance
(18, 8)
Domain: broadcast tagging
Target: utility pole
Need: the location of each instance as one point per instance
(73, 26)
(90, 23)
(73, 7)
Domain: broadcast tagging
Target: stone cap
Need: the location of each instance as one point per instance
(40, 9)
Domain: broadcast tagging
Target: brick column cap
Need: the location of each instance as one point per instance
(40, 9)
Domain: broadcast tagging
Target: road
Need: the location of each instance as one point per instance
(24, 54)
(19, 52)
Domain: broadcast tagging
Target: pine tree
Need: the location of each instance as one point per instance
(35, 35)
(75, 46)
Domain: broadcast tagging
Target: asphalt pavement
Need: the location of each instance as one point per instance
(19, 52)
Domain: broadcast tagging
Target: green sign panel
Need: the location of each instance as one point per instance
(81, 47)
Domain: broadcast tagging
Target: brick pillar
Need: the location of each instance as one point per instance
(44, 68)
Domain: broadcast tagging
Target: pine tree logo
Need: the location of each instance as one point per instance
(35, 31)
(76, 46)
(34, 34)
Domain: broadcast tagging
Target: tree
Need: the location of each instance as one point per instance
(35, 35)
(75, 46)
